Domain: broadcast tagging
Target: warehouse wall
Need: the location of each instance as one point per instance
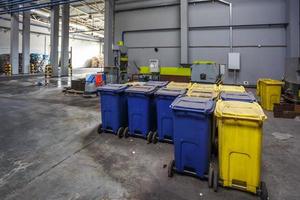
(259, 34)
(82, 50)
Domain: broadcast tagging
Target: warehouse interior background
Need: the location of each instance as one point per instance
(55, 55)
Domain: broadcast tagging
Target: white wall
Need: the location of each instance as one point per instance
(82, 50)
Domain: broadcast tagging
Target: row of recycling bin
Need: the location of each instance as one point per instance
(216, 136)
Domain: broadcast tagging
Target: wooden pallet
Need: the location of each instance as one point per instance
(72, 91)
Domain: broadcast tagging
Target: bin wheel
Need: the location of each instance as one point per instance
(126, 133)
(100, 130)
(154, 138)
(216, 178)
(120, 132)
(210, 175)
(149, 137)
(264, 191)
(171, 168)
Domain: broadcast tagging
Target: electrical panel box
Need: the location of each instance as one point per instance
(234, 62)
(154, 65)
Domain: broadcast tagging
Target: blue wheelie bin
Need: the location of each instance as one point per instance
(141, 111)
(192, 134)
(236, 96)
(157, 83)
(113, 103)
(163, 99)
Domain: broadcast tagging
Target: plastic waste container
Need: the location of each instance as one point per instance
(164, 98)
(259, 85)
(192, 132)
(270, 93)
(177, 85)
(141, 111)
(157, 83)
(239, 146)
(231, 88)
(113, 108)
(237, 96)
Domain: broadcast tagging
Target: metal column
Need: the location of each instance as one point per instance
(54, 39)
(26, 42)
(65, 40)
(108, 32)
(184, 32)
(293, 33)
(14, 43)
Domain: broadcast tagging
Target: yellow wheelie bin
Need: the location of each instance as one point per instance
(270, 93)
(177, 85)
(239, 147)
(231, 88)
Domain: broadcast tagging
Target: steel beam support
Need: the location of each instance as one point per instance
(54, 39)
(65, 39)
(293, 29)
(26, 42)
(184, 32)
(14, 43)
(108, 32)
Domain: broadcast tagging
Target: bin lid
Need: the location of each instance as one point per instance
(193, 104)
(170, 92)
(240, 110)
(142, 89)
(205, 87)
(113, 88)
(177, 85)
(272, 82)
(157, 83)
(238, 96)
(202, 94)
(231, 88)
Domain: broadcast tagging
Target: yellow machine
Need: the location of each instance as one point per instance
(239, 127)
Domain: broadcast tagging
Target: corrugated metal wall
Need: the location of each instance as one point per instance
(259, 34)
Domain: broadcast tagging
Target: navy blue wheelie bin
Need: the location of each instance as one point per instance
(192, 135)
(113, 103)
(141, 111)
(237, 96)
(157, 83)
(163, 99)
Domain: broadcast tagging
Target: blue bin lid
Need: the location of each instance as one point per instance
(237, 96)
(193, 104)
(170, 92)
(113, 88)
(141, 89)
(157, 83)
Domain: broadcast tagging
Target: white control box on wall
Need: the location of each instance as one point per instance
(234, 61)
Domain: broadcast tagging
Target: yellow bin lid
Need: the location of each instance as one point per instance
(177, 85)
(272, 82)
(231, 88)
(205, 87)
(202, 94)
(240, 110)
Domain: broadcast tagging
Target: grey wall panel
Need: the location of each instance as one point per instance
(218, 55)
(259, 11)
(146, 19)
(260, 62)
(152, 39)
(209, 37)
(261, 36)
(208, 14)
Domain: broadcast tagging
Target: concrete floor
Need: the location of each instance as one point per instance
(49, 149)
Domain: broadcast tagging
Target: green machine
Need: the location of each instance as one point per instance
(121, 61)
